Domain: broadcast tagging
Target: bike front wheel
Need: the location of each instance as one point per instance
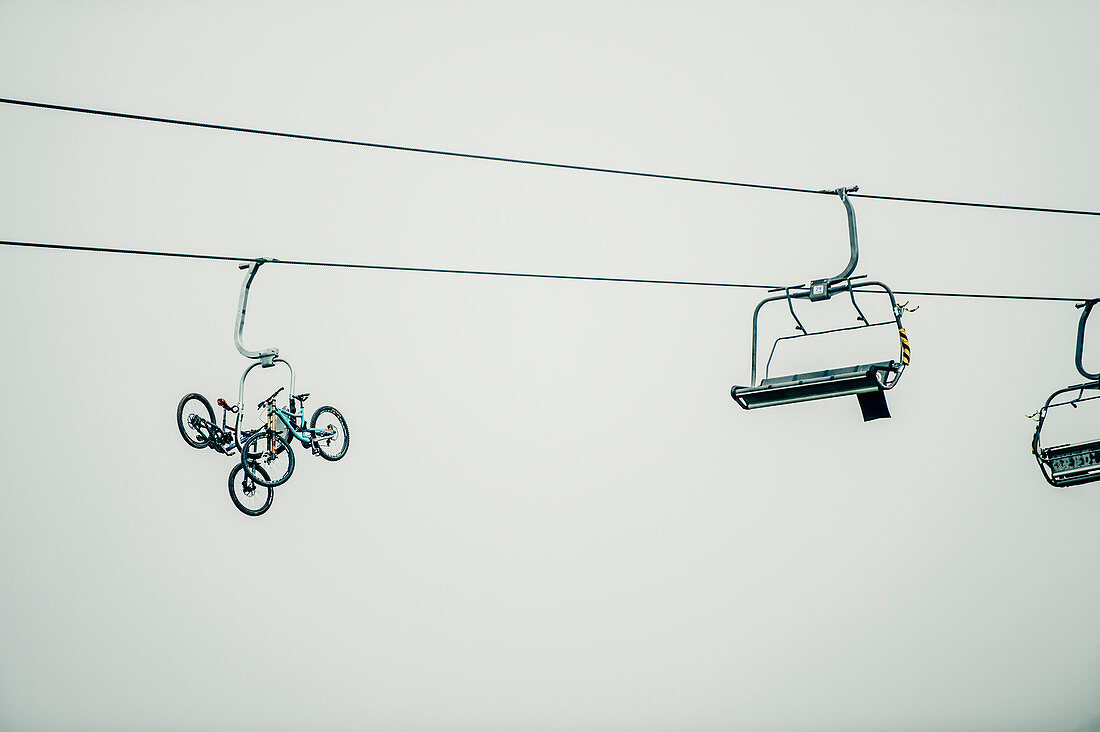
(195, 419)
(267, 458)
(332, 444)
(251, 497)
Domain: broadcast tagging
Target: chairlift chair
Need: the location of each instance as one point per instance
(867, 381)
(1078, 462)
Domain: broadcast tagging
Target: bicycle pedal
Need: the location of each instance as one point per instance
(316, 450)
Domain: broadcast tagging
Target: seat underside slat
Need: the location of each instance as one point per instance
(813, 385)
(1072, 464)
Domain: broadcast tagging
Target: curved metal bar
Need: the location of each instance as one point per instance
(1036, 438)
(853, 241)
(902, 360)
(790, 304)
(852, 294)
(1088, 304)
(788, 295)
(1079, 388)
(755, 322)
(266, 356)
(240, 393)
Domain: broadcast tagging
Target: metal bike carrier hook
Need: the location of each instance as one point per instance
(1087, 306)
(790, 306)
(240, 392)
(266, 356)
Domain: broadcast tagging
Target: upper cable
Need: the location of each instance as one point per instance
(524, 161)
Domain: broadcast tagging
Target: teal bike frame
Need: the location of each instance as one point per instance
(288, 417)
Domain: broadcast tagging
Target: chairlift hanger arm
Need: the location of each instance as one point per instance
(266, 356)
(853, 241)
(1086, 306)
(825, 288)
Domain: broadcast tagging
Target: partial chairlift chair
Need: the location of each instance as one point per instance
(868, 381)
(1077, 462)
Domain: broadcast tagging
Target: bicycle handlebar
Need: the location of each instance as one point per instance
(270, 398)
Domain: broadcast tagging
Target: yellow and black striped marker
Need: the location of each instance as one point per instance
(904, 347)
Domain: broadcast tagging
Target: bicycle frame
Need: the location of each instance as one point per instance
(307, 435)
(222, 438)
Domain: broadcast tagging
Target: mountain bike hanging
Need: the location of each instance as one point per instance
(266, 455)
(1077, 462)
(868, 381)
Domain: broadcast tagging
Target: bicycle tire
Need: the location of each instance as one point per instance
(265, 492)
(266, 449)
(335, 447)
(195, 438)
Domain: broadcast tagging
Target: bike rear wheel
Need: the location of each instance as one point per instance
(329, 420)
(250, 497)
(267, 458)
(195, 419)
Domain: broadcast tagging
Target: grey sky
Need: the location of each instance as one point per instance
(552, 515)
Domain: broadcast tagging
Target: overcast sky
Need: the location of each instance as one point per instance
(551, 516)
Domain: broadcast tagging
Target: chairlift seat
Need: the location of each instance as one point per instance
(1073, 464)
(862, 379)
(868, 382)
